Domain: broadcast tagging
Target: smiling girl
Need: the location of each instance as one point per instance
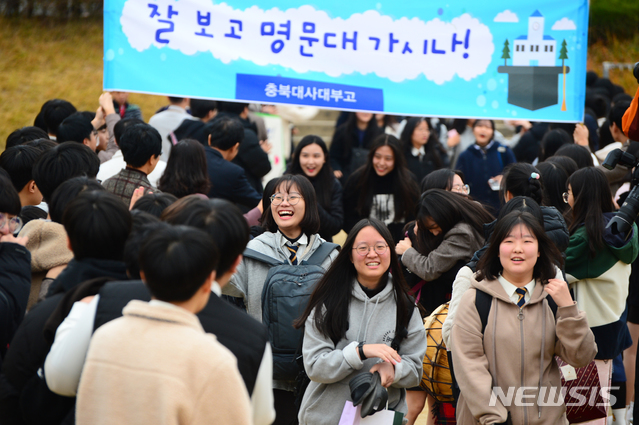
(517, 346)
(291, 222)
(383, 189)
(350, 325)
(311, 159)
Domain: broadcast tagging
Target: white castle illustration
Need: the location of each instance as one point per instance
(535, 49)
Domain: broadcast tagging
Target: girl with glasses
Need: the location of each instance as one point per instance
(311, 160)
(291, 221)
(15, 265)
(350, 325)
(382, 189)
(447, 179)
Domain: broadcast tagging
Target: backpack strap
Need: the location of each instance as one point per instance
(483, 303)
(320, 254)
(254, 255)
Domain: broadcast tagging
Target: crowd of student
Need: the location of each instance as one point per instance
(140, 264)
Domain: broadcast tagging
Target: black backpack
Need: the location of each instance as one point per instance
(483, 303)
(285, 295)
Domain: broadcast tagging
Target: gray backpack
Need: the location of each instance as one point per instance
(285, 295)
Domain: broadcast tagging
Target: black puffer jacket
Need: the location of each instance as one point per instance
(555, 227)
(15, 283)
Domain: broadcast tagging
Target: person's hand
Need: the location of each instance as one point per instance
(381, 351)
(581, 134)
(403, 246)
(266, 145)
(558, 290)
(269, 109)
(386, 372)
(453, 138)
(98, 120)
(137, 194)
(9, 238)
(260, 206)
(338, 174)
(106, 102)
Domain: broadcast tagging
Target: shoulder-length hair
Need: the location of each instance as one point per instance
(331, 298)
(325, 178)
(489, 265)
(310, 223)
(186, 172)
(447, 209)
(405, 190)
(592, 198)
(432, 144)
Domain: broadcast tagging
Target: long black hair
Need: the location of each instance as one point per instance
(334, 291)
(592, 198)
(405, 191)
(325, 178)
(432, 145)
(447, 209)
(555, 178)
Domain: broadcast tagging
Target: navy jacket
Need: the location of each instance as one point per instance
(478, 167)
(228, 181)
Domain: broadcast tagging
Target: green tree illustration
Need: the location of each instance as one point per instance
(563, 55)
(505, 53)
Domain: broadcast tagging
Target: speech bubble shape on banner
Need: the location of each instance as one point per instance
(305, 39)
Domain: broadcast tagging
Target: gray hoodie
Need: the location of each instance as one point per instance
(331, 367)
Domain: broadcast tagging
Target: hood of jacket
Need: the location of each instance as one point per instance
(555, 227)
(625, 248)
(47, 244)
(78, 271)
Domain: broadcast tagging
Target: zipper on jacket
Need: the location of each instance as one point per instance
(520, 316)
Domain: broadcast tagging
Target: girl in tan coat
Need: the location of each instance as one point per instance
(507, 371)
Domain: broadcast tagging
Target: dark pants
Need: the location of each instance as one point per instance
(285, 410)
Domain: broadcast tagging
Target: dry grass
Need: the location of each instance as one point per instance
(44, 59)
(615, 50)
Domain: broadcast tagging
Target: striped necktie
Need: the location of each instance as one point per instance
(522, 296)
(293, 256)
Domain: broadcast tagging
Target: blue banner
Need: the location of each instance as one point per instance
(469, 59)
